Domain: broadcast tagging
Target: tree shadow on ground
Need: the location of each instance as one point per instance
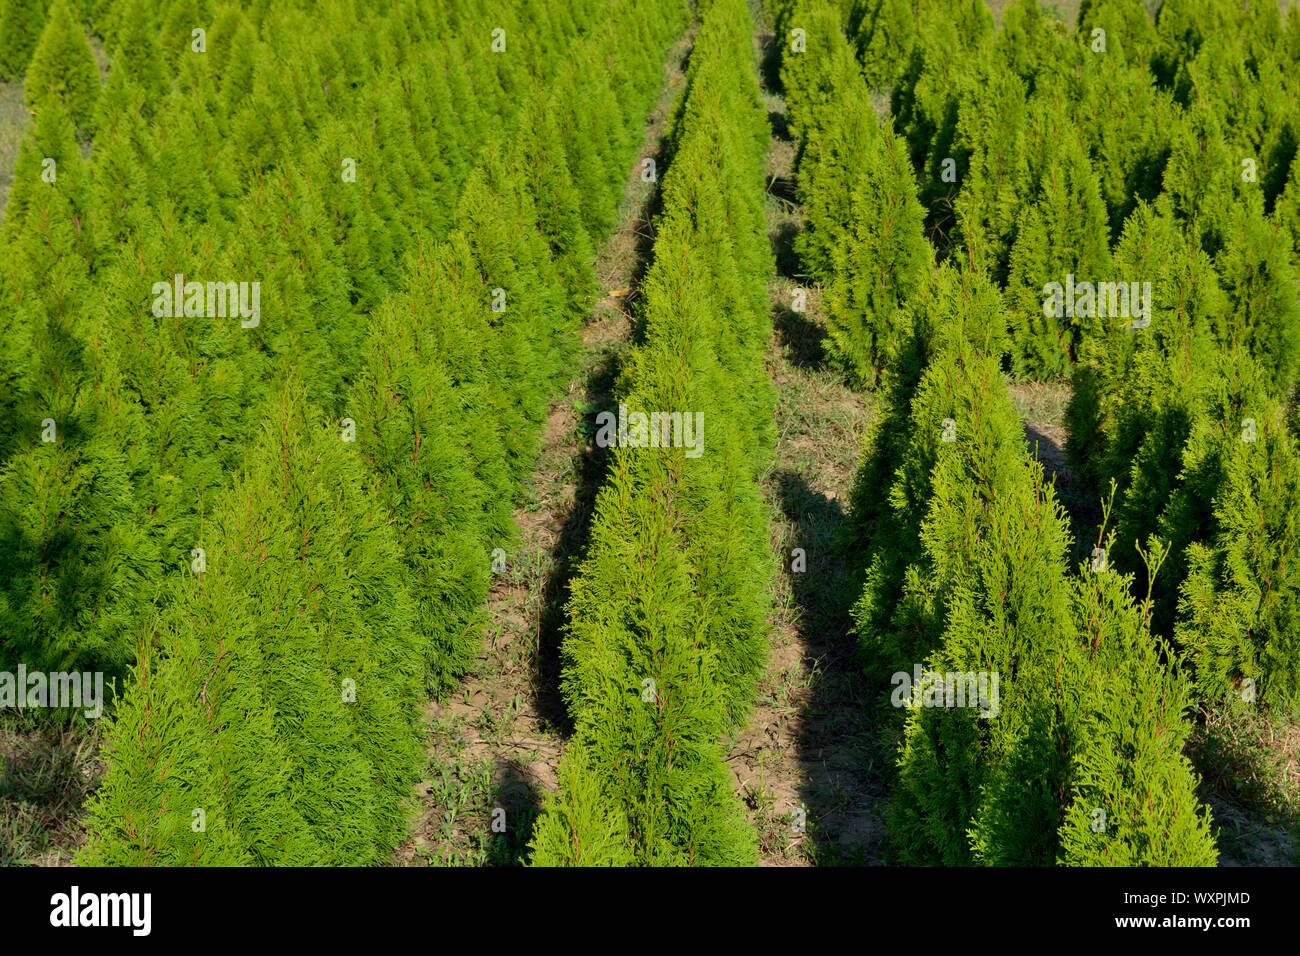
(838, 743)
(800, 337)
(516, 793)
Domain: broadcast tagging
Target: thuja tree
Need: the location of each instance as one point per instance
(1250, 94)
(77, 567)
(63, 68)
(1062, 232)
(1231, 389)
(436, 453)
(1239, 613)
(1204, 180)
(862, 237)
(135, 51)
(1286, 211)
(1125, 374)
(991, 149)
(1125, 121)
(273, 701)
(642, 679)
(884, 32)
(815, 77)
(885, 527)
(21, 22)
(1129, 35)
(1086, 714)
(1257, 273)
(987, 595)
(882, 262)
(926, 100)
(152, 413)
(1132, 792)
(1034, 46)
(1186, 27)
(925, 409)
(449, 410)
(1182, 26)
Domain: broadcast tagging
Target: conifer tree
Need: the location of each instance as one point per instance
(862, 236)
(1203, 179)
(668, 611)
(137, 53)
(884, 32)
(120, 188)
(559, 206)
(987, 596)
(1133, 792)
(63, 68)
(1113, 403)
(991, 151)
(49, 178)
(1126, 122)
(926, 101)
(1062, 233)
(1129, 37)
(1216, 403)
(1239, 613)
(179, 19)
(21, 23)
(301, 686)
(986, 593)
(1182, 26)
(1034, 46)
(1286, 211)
(881, 262)
(1261, 284)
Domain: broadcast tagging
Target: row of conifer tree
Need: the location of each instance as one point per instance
(1161, 150)
(1114, 159)
(278, 536)
(668, 613)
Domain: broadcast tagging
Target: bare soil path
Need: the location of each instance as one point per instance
(807, 764)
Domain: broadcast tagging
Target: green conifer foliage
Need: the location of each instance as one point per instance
(1133, 797)
(137, 53)
(302, 593)
(1239, 613)
(1063, 232)
(1126, 123)
(880, 264)
(63, 68)
(884, 32)
(48, 193)
(668, 611)
(1286, 211)
(926, 101)
(1130, 36)
(987, 595)
(862, 236)
(991, 151)
(1182, 26)
(984, 589)
(21, 23)
(162, 419)
(889, 623)
(1261, 283)
(580, 827)
(1203, 178)
(1114, 402)
(1034, 45)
